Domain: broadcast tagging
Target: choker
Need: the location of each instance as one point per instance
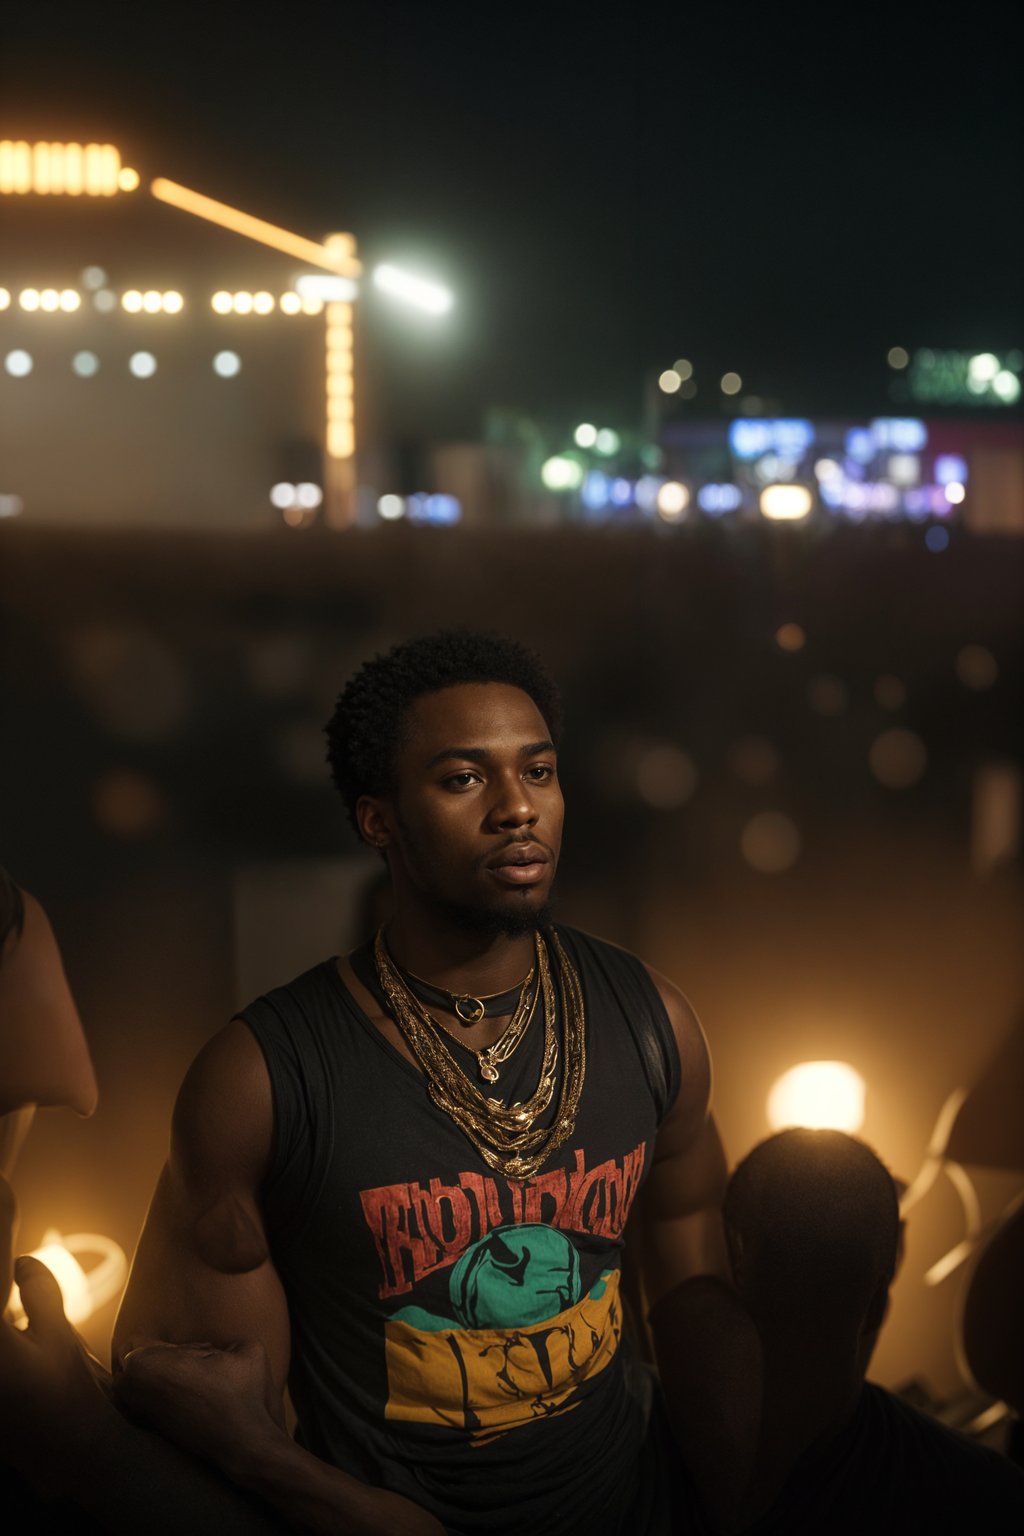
(467, 1008)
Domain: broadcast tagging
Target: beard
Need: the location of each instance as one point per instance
(499, 922)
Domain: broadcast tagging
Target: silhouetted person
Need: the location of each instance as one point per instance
(813, 1227)
(69, 1461)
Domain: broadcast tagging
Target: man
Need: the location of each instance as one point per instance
(813, 1227)
(407, 1174)
(69, 1461)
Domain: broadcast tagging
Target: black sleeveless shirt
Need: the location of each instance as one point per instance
(455, 1333)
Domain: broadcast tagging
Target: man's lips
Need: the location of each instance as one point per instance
(520, 864)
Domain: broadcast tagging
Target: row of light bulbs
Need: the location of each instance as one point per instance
(152, 301)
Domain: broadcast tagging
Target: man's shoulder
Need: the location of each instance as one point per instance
(315, 982)
(922, 1445)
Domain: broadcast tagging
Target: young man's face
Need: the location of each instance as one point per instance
(475, 823)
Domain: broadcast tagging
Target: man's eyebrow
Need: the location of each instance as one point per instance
(481, 754)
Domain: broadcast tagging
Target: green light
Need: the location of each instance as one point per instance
(1007, 386)
(561, 473)
(607, 442)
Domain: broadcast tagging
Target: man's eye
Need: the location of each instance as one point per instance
(541, 772)
(460, 780)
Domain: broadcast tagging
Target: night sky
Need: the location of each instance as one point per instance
(786, 193)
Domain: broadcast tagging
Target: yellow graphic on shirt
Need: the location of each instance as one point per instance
(467, 1372)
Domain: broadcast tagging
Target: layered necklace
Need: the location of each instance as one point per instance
(504, 1135)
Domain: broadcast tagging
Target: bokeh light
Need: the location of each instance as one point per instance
(898, 758)
(666, 777)
(227, 364)
(672, 501)
(897, 357)
(18, 363)
(827, 695)
(730, 384)
(669, 381)
(790, 637)
(976, 667)
(127, 805)
(85, 364)
(142, 365)
(818, 1095)
(786, 503)
(770, 842)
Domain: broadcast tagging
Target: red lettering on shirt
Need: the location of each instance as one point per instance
(419, 1228)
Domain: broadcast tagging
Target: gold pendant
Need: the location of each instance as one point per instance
(488, 1071)
(470, 1010)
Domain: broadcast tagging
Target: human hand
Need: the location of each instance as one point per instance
(221, 1404)
(217, 1403)
(53, 1402)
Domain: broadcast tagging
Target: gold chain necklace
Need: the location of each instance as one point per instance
(503, 1135)
(495, 1055)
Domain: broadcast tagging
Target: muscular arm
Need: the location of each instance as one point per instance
(705, 1343)
(203, 1272)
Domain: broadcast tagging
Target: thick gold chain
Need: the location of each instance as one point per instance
(503, 1135)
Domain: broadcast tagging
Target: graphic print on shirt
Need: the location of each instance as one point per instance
(519, 1334)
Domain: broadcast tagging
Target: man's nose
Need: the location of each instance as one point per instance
(513, 807)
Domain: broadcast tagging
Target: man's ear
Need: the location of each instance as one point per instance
(375, 819)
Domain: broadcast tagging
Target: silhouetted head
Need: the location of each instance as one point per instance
(812, 1221)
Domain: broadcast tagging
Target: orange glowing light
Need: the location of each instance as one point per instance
(63, 169)
(202, 207)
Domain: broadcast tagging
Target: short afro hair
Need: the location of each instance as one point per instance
(817, 1217)
(368, 724)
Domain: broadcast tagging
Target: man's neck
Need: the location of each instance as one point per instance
(446, 954)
